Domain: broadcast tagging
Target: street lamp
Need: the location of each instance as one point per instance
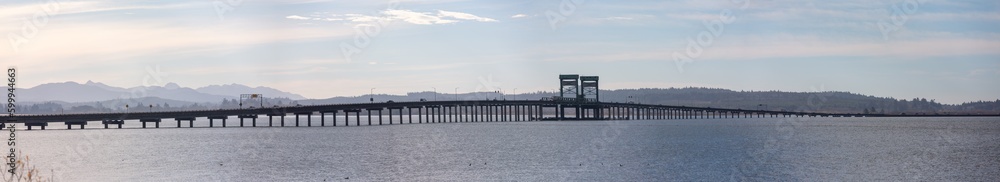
(371, 95)
(151, 107)
(435, 93)
(456, 93)
(126, 108)
(500, 91)
(515, 94)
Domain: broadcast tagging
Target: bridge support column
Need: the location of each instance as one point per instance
(439, 114)
(334, 117)
(308, 118)
(211, 120)
(357, 117)
(190, 122)
(270, 119)
(39, 124)
(390, 117)
(69, 124)
(107, 121)
(154, 120)
(450, 117)
(529, 111)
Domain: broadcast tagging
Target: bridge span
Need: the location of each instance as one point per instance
(429, 112)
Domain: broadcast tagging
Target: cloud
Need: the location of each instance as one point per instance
(296, 17)
(419, 18)
(463, 16)
(412, 17)
(519, 16)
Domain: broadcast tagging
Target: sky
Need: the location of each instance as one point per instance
(948, 51)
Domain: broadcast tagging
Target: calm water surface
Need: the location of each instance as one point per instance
(768, 149)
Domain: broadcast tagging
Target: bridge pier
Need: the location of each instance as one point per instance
(69, 124)
(400, 109)
(322, 118)
(430, 113)
(251, 116)
(369, 111)
(420, 113)
(190, 122)
(106, 122)
(211, 120)
(270, 119)
(449, 113)
(529, 109)
(308, 118)
(357, 117)
(390, 117)
(409, 114)
(154, 120)
(439, 114)
(41, 124)
(379, 116)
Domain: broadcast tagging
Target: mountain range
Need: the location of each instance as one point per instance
(98, 92)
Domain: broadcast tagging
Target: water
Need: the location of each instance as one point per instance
(768, 149)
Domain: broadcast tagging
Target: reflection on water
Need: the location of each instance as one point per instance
(842, 149)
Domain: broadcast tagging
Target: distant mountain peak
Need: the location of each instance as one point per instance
(171, 85)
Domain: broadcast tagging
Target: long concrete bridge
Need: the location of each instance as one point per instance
(427, 112)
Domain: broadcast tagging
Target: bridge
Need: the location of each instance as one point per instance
(583, 104)
(430, 112)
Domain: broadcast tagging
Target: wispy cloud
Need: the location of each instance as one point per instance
(463, 16)
(409, 16)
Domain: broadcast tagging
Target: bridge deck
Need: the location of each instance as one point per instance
(434, 106)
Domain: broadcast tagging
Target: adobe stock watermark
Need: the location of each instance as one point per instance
(30, 27)
(566, 8)
(363, 34)
(705, 38)
(11, 109)
(487, 89)
(222, 7)
(899, 15)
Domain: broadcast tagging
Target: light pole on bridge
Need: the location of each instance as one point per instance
(435, 93)
(371, 95)
(515, 94)
(456, 93)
